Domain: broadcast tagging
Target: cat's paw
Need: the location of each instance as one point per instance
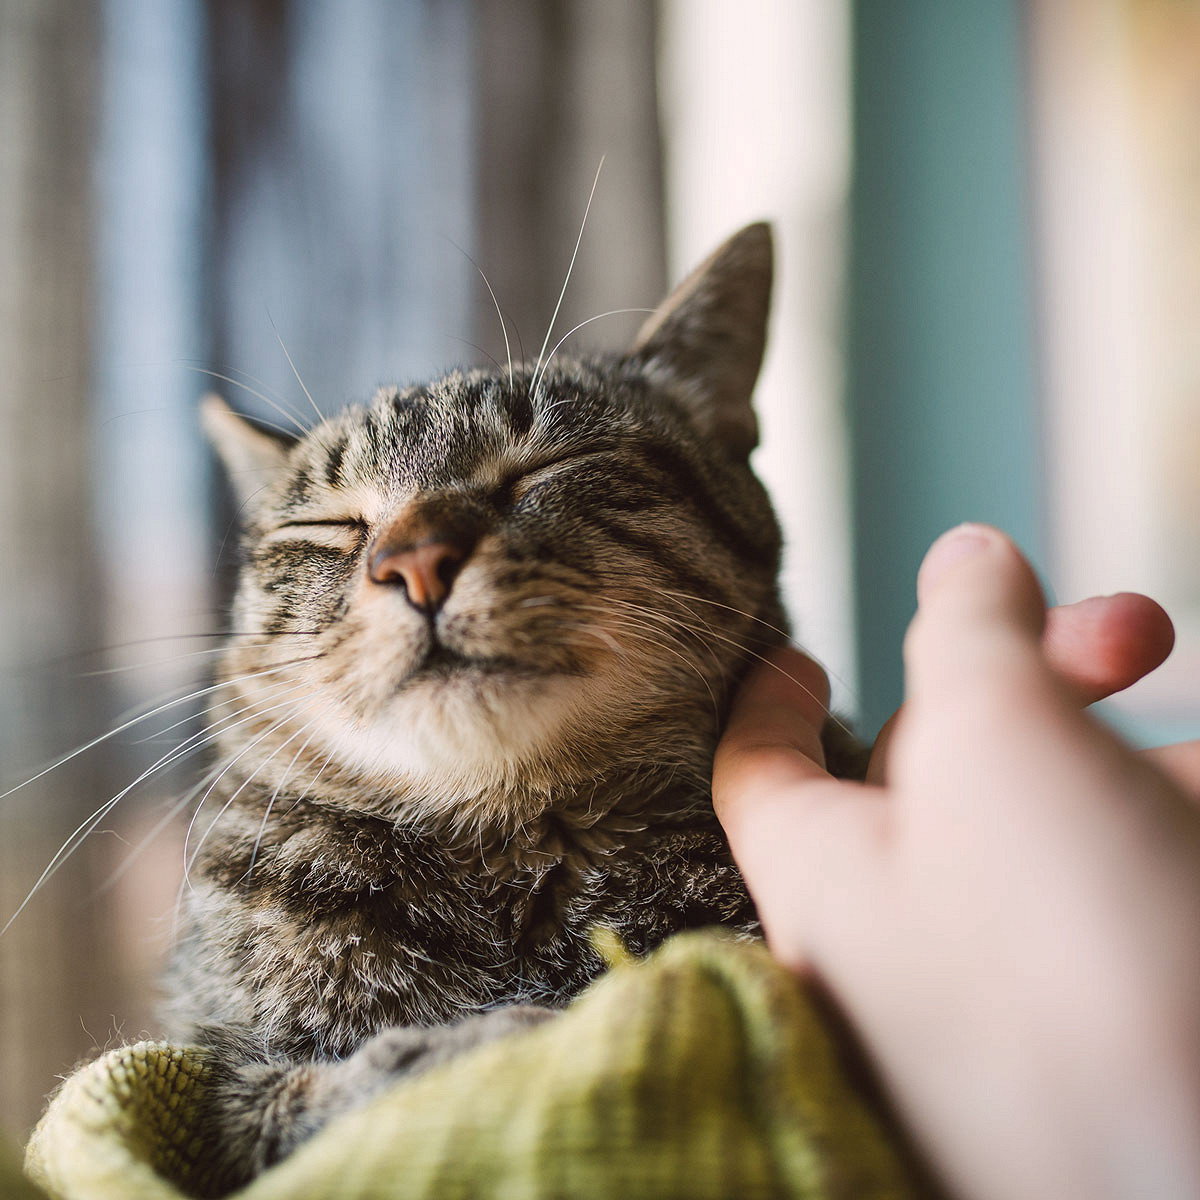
(402, 1052)
(406, 1051)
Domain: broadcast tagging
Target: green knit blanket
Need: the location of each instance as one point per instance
(702, 1071)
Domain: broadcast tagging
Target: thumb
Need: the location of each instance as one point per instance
(980, 617)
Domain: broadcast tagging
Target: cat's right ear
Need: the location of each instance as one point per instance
(251, 455)
(707, 338)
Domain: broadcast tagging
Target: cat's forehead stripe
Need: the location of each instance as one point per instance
(455, 430)
(335, 454)
(476, 431)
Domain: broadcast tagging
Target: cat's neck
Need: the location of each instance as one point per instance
(514, 828)
(656, 768)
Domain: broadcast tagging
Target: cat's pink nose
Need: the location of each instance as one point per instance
(426, 572)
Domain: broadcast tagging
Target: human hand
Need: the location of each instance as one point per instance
(1008, 918)
(1097, 647)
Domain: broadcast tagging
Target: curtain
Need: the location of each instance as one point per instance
(202, 190)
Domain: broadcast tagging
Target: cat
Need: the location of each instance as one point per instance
(484, 638)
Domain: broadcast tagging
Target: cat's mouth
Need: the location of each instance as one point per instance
(440, 662)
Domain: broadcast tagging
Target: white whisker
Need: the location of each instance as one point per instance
(663, 623)
(82, 831)
(172, 814)
(783, 634)
(279, 787)
(503, 326)
(312, 783)
(744, 649)
(475, 346)
(320, 414)
(129, 724)
(152, 663)
(188, 862)
(279, 408)
(570, 268)
(612, 312)
(281, 690)
(628, 626)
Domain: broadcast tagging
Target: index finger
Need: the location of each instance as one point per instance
(773, 738)
(797, 833)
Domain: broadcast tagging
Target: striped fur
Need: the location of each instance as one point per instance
(422, 817)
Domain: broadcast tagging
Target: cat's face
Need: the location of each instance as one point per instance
(496, 581)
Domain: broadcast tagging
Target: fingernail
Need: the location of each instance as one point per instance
(953, 546)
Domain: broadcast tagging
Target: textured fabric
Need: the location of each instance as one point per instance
(703, 1071)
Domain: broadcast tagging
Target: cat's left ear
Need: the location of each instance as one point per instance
(251, 455)
(706, 339)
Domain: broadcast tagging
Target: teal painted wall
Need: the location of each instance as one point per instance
(940, 383)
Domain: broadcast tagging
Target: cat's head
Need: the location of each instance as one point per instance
(493, 583)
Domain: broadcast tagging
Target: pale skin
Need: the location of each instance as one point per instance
(1008, 912)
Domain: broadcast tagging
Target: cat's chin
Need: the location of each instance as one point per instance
(466, 728)
(442, 665)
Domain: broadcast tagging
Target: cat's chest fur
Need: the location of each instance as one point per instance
(333, 925)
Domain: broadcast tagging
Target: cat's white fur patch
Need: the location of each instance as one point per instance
(452, 739)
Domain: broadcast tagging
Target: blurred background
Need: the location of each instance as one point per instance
(988, 223)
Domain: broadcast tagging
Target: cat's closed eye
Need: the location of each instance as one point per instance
(346, 534)
(519, 486)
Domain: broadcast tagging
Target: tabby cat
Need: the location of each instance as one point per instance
(485, 635)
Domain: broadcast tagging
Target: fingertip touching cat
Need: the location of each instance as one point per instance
(484, 637)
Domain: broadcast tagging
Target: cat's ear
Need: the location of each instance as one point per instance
(251, 455)
(707, 338)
